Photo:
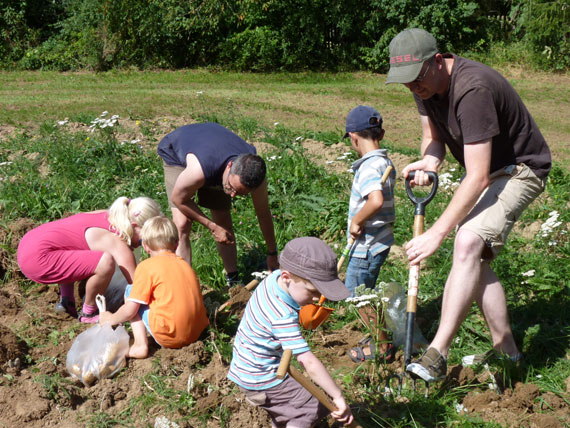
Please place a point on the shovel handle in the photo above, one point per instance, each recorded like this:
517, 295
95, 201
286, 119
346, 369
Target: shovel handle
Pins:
421, 203
344, 254
252, 284
285, 367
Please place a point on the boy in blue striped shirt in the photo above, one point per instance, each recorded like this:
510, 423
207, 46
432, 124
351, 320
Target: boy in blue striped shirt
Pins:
271, 324
371, 216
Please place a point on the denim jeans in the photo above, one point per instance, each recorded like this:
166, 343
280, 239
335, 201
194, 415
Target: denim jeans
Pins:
364, 271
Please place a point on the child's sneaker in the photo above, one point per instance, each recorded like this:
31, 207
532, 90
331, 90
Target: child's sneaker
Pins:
88, 318
430, 367
66, 305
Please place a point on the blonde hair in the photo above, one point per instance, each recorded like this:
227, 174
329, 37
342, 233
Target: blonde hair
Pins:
160, 233
124, 211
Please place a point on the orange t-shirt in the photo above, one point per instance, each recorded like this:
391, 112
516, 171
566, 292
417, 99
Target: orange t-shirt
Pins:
170, 287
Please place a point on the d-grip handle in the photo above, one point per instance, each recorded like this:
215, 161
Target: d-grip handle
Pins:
421, 203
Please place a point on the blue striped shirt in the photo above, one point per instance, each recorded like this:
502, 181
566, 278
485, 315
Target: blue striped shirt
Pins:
269, 325
378, 234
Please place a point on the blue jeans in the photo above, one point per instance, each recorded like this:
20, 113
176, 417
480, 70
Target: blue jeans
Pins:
143, 309
364, 271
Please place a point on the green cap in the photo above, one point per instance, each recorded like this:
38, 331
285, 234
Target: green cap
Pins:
408, 51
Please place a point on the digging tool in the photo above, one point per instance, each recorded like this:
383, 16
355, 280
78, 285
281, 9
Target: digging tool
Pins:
413, 280
313, 315
249, 287
285, 367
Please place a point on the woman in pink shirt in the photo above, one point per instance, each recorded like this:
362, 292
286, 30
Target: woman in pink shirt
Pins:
86, 246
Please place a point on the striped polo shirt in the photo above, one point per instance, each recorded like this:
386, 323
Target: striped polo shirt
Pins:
378, 234
269, 325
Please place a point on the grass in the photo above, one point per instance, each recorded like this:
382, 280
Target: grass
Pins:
302, 102
51, 171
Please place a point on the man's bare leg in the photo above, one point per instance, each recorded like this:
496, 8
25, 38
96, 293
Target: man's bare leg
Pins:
463, 284
493, 304
228, 253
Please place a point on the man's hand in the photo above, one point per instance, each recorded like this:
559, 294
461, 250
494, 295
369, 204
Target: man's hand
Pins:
423, 246
223, 236
428, 163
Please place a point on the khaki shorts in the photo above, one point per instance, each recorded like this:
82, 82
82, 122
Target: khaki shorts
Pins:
211, 197
288, 403
510, 191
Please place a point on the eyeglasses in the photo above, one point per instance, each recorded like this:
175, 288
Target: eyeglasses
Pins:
228, 188
421, 77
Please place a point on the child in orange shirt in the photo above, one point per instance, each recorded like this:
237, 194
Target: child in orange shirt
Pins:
165, 297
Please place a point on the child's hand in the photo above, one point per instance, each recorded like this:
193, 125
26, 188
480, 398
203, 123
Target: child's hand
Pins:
343, 413
105, 317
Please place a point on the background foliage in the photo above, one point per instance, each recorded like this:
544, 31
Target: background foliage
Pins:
268, 35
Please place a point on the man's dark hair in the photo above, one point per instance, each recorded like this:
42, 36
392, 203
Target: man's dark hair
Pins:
374, 134
250, 169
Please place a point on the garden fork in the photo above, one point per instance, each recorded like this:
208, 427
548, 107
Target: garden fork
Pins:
413, 280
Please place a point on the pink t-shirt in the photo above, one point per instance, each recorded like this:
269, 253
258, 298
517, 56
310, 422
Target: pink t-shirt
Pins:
57, 252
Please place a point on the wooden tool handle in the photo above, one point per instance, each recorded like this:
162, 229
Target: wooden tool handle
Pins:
306, 383
386, 174
252, 284
284, 364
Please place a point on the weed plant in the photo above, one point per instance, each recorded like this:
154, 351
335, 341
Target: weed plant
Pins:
54, 172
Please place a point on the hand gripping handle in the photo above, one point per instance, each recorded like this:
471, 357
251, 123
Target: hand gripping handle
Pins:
421, 203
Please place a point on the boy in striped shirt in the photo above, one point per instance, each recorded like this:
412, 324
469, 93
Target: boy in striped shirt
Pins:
371, 216
271, 324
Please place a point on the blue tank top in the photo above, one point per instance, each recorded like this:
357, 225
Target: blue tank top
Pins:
211, 143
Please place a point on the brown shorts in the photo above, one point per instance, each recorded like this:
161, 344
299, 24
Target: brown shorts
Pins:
288, 403
510, 191
211, 197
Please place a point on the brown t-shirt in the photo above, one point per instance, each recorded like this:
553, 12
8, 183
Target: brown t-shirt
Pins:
482, 104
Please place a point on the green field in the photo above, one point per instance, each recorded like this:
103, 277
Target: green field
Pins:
50, 169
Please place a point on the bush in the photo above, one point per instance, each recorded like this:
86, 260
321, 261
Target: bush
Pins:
456, 24
547, 29
254, 50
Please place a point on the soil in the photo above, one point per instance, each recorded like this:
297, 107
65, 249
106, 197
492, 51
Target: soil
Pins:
29, 396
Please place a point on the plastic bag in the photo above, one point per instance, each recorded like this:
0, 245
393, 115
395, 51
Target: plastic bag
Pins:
395, 312
98, 353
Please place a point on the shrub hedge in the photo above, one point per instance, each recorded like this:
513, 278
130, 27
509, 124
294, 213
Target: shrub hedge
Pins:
267, 35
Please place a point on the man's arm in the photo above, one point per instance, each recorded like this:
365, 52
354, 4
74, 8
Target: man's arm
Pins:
477, 166
186, 186
260, 201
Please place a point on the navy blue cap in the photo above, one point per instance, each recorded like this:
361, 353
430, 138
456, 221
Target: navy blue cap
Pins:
361, 118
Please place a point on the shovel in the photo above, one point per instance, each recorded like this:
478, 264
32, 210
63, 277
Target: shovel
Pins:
413, 280
313, 315
285, 367
248, 288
